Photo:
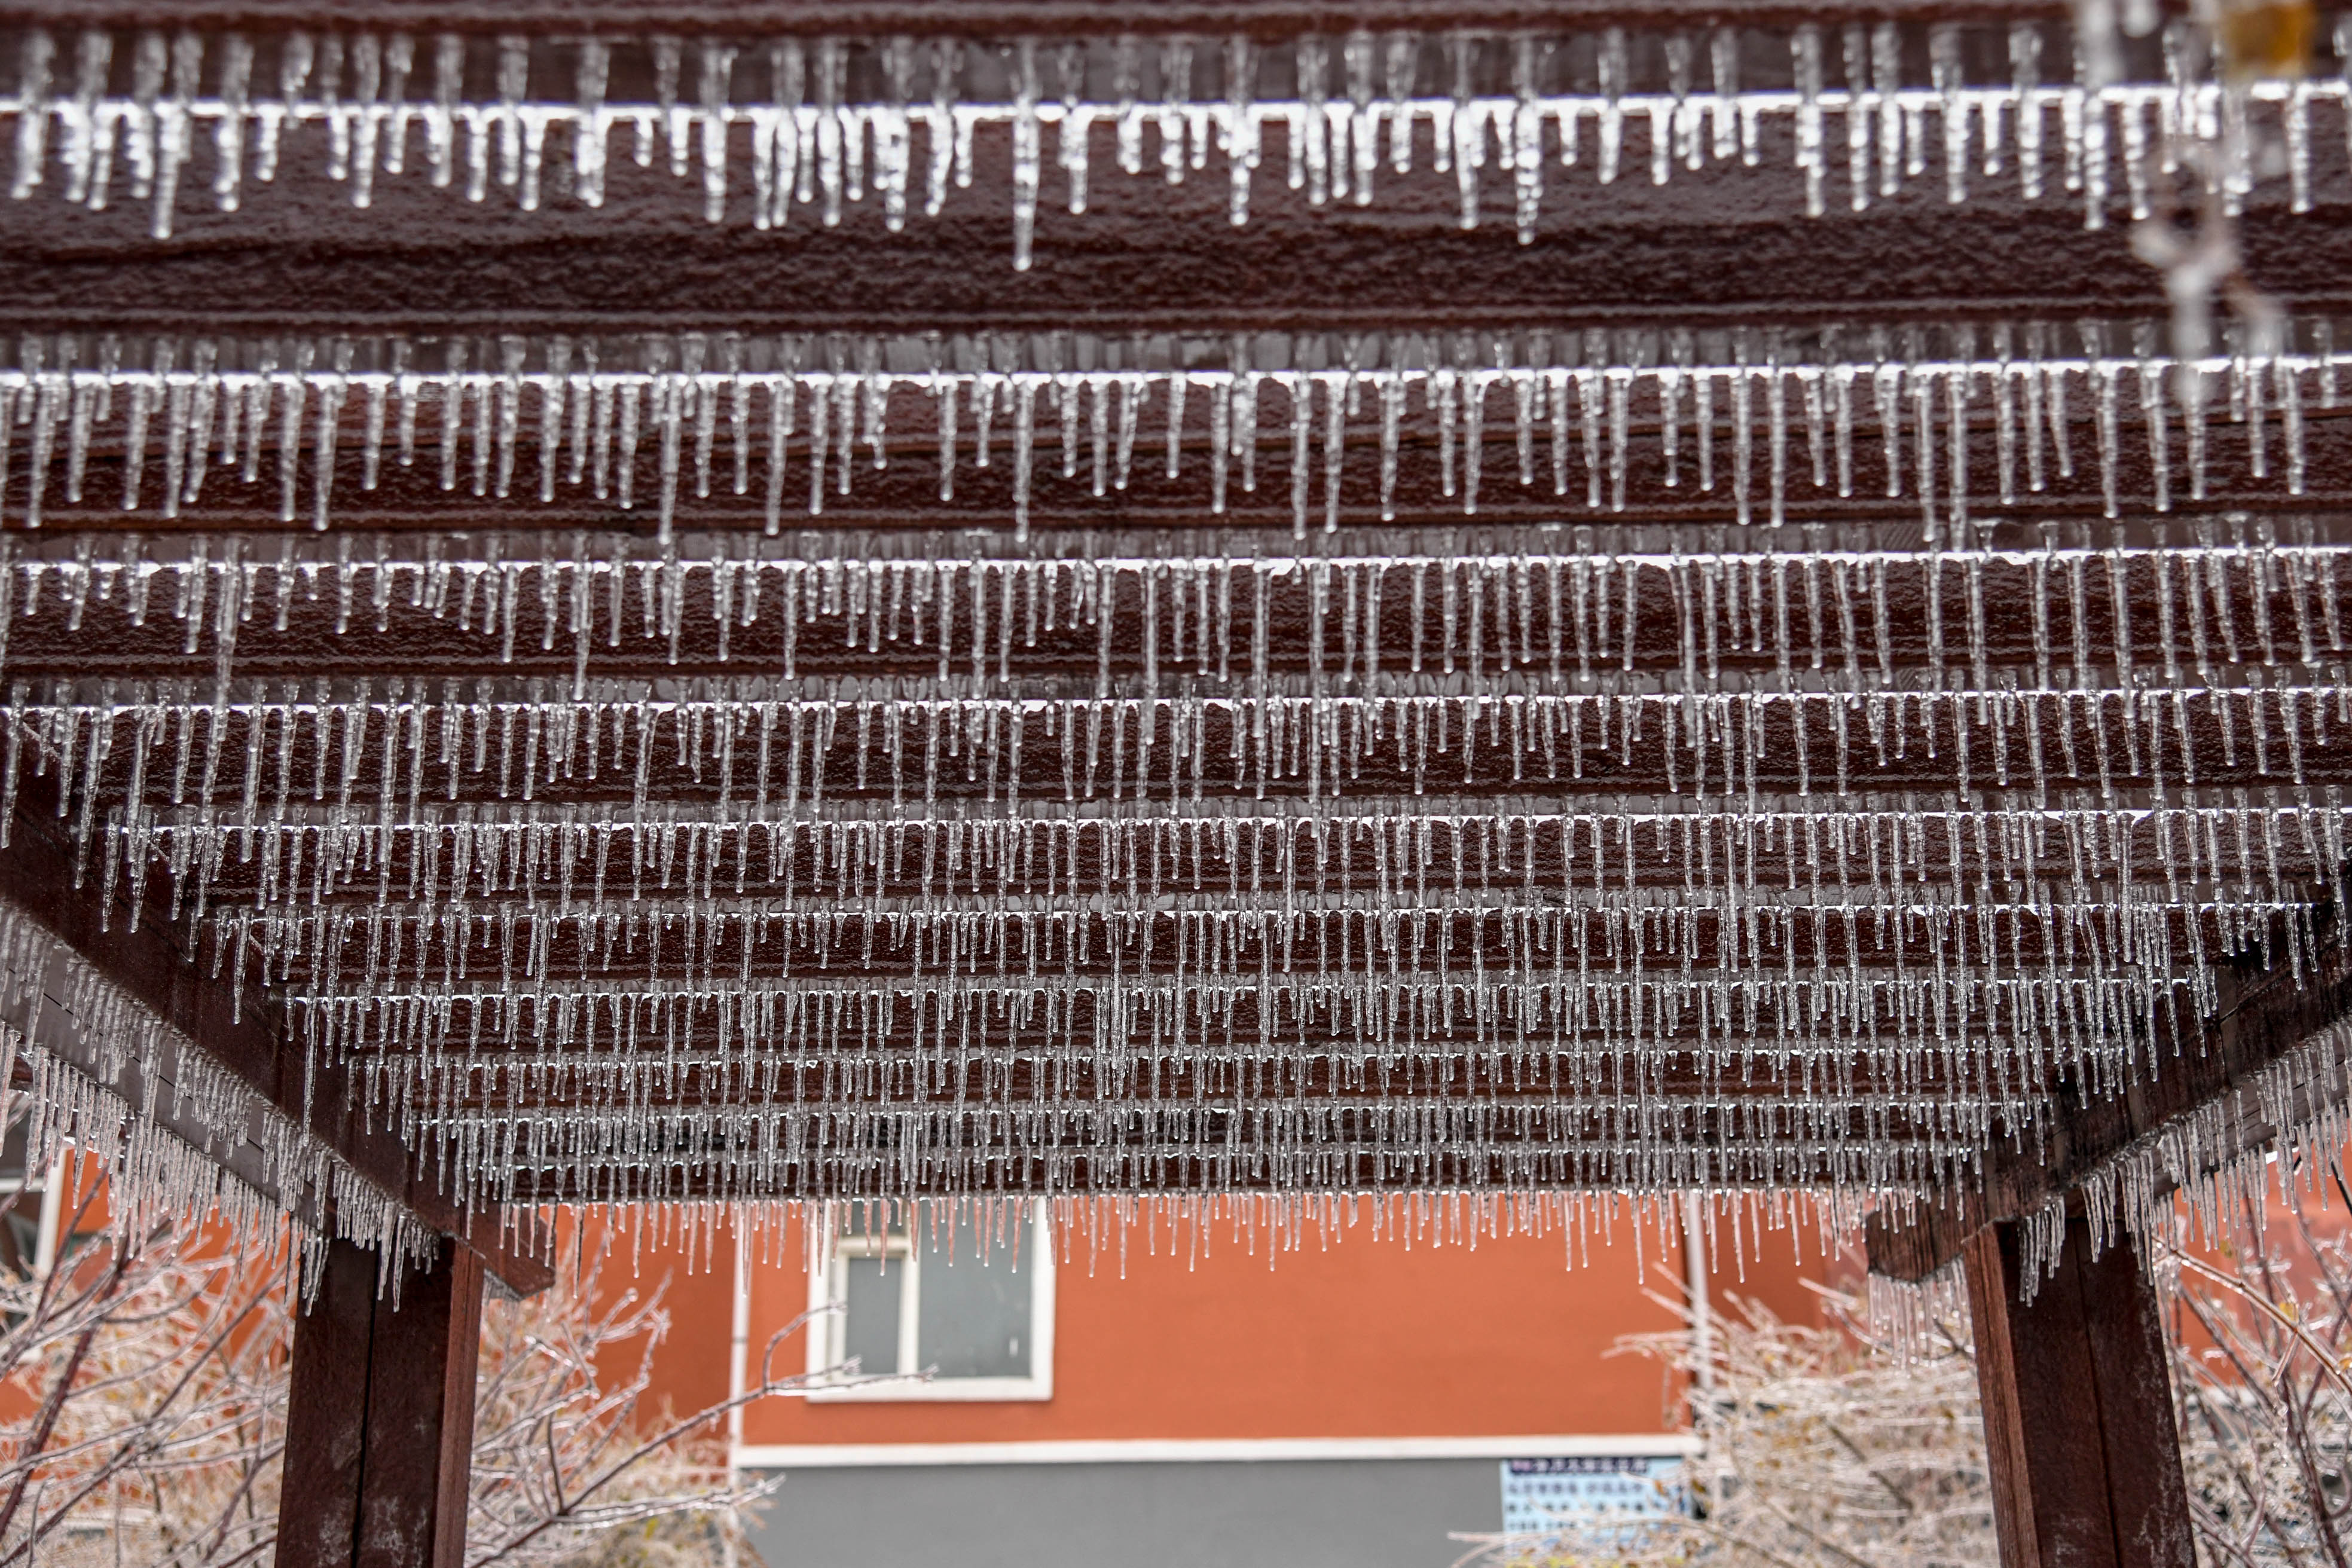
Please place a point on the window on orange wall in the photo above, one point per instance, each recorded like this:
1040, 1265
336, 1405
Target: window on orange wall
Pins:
940, 1312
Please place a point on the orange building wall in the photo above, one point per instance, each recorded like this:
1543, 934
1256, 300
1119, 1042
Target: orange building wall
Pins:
1365, 1339
689, 1368
696, 1285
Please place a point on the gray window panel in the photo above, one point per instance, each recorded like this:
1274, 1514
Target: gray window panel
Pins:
973, 1319
870, 1326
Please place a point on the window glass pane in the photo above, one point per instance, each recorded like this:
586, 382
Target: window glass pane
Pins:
12, 1153
20, 1233
869, 1335
973, 1320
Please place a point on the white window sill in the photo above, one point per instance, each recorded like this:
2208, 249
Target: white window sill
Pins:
914, 1391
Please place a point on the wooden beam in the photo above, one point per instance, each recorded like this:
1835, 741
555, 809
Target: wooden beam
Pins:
2264, 1015
1144, 257
2079, 1429
380, 1415
996, 18
38, 876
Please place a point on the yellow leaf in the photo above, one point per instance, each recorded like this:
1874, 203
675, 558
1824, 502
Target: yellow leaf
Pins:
2265, 40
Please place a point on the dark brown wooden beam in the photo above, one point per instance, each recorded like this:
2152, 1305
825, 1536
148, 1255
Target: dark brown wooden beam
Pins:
1714, 250
1154, 510
380, 1414
2079, 1429
987, 18
38, 876
1717, 246
2265, 1014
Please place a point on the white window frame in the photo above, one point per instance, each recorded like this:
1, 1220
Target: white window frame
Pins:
829, 1323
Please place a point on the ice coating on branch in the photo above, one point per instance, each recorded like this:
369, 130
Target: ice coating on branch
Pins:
1832, 107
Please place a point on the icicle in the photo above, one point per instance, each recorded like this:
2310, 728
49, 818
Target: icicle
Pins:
824, 106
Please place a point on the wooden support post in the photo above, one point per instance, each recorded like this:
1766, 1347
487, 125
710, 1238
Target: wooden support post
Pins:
379, 1417
2079, 1430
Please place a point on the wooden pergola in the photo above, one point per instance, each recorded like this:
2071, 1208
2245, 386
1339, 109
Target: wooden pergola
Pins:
633, 604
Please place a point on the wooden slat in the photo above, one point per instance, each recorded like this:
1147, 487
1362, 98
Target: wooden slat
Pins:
996, 18
1143, 257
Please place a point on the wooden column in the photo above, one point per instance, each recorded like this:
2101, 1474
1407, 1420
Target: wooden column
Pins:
2079, 1429
379, 1417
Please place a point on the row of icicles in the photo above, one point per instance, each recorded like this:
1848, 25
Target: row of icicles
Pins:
1402, 1144
808, 120
915, 621
1887, 1144
109, 1077
152, 763
994, 887
1563, 997
180, 1107
783, 424
2085, 930
1408, 1146
1897, 1071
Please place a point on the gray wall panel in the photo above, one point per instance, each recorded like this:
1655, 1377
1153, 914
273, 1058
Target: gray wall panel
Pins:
1290, 1514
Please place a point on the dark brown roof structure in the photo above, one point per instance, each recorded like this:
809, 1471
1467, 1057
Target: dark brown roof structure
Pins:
1482, 610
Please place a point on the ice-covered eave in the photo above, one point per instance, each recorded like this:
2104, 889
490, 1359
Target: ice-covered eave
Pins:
180, 1139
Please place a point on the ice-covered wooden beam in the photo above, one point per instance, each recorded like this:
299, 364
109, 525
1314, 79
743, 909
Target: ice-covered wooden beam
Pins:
996, 18
1709, 250
1674, 161
241, 1036
1898, 426
2266, 1015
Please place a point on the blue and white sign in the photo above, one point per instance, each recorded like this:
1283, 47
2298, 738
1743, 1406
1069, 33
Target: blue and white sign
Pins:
1541, 1495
